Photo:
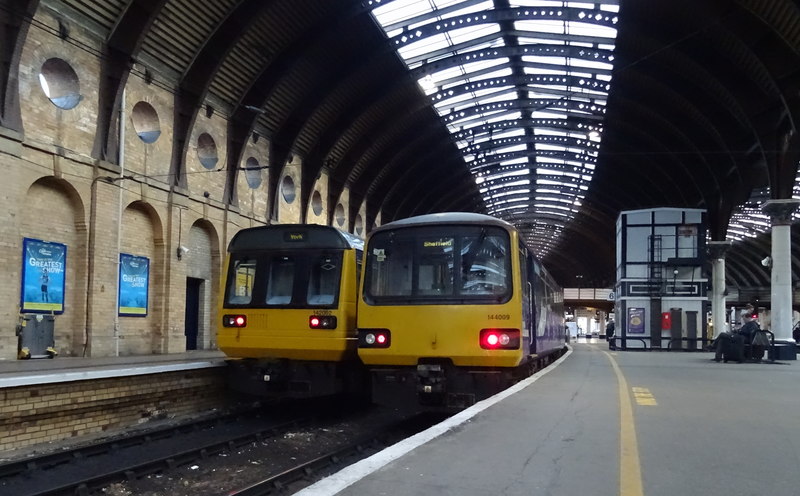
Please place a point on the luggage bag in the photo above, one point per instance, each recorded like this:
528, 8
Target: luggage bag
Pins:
733, 349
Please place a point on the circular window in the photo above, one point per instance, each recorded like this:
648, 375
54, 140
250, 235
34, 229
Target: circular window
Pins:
316, 203
145, 122
207, 151
339, 214
359, 224
60, 83
252, 172
287, 189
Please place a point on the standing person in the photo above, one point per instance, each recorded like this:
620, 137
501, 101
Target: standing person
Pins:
45, 280
610, 330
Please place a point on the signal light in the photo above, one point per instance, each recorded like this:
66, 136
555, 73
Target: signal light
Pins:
234, 321
322, 322
374, 338
499, 339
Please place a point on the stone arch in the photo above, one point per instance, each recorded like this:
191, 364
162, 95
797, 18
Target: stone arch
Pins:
203, 263
52, 210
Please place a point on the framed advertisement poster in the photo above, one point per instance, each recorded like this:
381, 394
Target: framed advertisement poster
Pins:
636, 321
43, 269
134, 281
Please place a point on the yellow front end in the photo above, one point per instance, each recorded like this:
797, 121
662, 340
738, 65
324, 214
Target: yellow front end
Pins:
441, 331
286, 334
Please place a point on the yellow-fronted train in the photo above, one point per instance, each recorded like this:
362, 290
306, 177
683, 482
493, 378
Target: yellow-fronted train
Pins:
454, 308
287, 312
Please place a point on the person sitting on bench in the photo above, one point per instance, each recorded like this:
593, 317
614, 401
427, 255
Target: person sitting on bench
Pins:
729, 340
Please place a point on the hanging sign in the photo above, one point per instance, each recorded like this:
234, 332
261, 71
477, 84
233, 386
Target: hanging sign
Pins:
43, 268
134, 278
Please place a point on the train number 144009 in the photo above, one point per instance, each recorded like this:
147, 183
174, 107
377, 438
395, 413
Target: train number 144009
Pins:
499, 316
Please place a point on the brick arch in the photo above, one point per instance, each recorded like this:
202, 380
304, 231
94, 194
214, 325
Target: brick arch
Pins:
202, 263
152, 214
52, 210
142, 235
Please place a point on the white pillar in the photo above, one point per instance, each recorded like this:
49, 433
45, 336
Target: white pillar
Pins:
716, 250
780, 211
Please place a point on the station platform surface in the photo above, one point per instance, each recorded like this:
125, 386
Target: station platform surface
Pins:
601, 422
64, 369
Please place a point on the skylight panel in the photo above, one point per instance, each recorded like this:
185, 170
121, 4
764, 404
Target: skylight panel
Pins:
522, 92
425, 45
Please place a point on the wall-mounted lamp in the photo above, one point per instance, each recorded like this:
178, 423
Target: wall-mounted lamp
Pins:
767, 262
181, 251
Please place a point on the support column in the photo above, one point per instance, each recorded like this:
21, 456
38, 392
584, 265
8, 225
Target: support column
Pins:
780, 212
716, 252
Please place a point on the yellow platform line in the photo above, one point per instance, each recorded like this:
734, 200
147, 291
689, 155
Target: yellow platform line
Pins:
630, 471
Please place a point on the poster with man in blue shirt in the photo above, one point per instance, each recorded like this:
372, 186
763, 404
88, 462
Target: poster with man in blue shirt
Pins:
134, 275
43, 268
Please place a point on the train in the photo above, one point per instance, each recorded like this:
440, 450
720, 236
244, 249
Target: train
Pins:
287, 312
453, 308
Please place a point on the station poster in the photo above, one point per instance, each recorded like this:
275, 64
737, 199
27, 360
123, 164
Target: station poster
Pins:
636, 321
134, 280
43, 269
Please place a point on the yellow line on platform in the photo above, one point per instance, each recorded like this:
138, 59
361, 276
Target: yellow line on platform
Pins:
630, 471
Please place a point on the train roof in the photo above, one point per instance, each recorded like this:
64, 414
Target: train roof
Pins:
448, 218
292, 237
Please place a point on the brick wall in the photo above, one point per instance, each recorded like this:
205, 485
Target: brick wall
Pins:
32, 415
53, 189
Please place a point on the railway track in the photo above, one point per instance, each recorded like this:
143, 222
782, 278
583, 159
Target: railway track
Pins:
313, 469
87, 470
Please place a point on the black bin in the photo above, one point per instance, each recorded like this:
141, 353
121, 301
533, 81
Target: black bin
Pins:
36, 336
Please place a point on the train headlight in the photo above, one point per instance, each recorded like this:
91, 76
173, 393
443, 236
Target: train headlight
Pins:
499, 339
374, 338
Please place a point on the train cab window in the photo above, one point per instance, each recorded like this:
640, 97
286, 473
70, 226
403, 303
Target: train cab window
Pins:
323, 281
280, 280
435, 267
390, 264
240, 284
484, 264
438, 264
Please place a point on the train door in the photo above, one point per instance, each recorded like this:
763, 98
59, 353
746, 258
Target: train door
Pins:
192, 314
527, 297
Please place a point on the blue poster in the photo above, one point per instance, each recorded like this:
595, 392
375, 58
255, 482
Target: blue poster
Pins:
636, 321
134, 278
43, 268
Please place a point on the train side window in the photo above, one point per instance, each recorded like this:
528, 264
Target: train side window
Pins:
280, 281
240, 283
323, 281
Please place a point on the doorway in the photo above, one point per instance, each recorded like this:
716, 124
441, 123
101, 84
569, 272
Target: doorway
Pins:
194, 289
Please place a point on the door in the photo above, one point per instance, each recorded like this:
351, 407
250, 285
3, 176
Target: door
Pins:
192, 317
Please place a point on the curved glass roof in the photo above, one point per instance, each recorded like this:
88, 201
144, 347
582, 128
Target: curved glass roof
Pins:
522, 85
749, 220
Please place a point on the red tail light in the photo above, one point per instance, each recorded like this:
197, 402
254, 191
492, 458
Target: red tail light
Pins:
322, 322
234, 321
374, 338
499, 339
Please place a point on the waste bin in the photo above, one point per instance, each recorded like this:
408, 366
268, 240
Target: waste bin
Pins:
36, 336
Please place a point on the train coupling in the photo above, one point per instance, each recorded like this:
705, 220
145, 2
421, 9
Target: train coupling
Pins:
430, 378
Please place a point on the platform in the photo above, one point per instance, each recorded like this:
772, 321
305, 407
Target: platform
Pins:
65, 369
605, 422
